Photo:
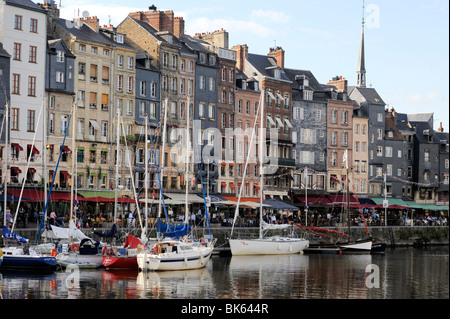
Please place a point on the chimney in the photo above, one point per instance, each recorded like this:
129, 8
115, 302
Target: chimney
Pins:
441, 129
340, 82
278, 54
241, 56
161, 20
92, 22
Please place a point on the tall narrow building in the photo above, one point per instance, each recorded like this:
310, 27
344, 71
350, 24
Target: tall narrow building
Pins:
361, 70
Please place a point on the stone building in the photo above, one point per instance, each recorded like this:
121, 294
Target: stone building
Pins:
4, 101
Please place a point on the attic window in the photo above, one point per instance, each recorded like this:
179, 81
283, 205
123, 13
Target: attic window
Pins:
119, 38
390, 134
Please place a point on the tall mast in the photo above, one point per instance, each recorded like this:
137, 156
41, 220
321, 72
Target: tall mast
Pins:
261, 159
186, 208
6, 155
74, 154
146, 173
117, 165
163, 157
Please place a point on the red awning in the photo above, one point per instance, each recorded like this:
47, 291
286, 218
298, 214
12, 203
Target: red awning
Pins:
125, 200
31, 170
257, 186
243, 199
33, 149
17, 146
66, 149
16, 170
65, 174
224, 184
232, 186
341, 199
32, 195
314, 199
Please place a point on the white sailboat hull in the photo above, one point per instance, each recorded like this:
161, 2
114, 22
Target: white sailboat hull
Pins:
268, 246
80, 261
196, 258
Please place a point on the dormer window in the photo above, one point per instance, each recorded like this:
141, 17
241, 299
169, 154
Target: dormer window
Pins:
306, 82
119, 38
390, 134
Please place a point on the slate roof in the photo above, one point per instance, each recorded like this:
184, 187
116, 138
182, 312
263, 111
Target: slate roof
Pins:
53, 45
403, 123
85, 32
25, 4
313, 83
266, 65
3, 52
370, 95
147, 27
422, 130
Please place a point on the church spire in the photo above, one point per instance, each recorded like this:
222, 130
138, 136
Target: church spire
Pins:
361, 71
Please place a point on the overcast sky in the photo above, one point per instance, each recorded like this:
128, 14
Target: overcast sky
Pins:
406, 41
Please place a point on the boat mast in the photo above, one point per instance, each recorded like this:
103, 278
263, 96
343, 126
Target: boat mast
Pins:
117, 165
74, 154
261, 158
163, 158
186, 207
6, 155
146, 173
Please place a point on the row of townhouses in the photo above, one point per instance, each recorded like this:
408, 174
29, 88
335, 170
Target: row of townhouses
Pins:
78, 91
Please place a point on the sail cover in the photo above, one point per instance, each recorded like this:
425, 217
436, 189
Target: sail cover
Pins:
112, 232
7, 234
66, 233
173, 231
267, 226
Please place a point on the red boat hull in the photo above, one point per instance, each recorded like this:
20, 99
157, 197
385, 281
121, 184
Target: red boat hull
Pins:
120, 262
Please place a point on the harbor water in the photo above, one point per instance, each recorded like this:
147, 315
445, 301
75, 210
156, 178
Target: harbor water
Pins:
401, 273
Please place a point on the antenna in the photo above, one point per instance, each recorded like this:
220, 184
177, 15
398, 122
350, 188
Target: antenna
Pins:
363, 7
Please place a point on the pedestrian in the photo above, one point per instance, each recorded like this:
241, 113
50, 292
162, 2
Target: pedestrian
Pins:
8, 218
52, 218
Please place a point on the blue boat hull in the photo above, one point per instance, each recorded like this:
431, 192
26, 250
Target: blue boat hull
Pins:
28, 262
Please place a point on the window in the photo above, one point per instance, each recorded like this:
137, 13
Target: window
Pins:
59, 56
333, 138
17, 51
333, 159
379, 150
51, 123
389, 169
142, 109
120, 61
363, 147
344, 118
18, 22
16, 84
211, 111
104, 130
30, 120
298, 113
380, 117
130, 62
399, 153
33, 52
59, 77
165, 58
356, 147
33, 25
344, 141
119, 82
426, 156
333, 117
81, 96
80, 128
31, 86
82, 48
105, 75
231, 76
142, 86
129, 107
105, 52
94, 50
15, 119
153, 89
357, 129
356, 168
201, 110
119, 38
306, 157
379, 134
202, 82
153, 110
64, 120
388, 151
307, 95
212, 84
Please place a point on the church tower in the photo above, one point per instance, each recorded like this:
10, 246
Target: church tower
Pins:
361, 71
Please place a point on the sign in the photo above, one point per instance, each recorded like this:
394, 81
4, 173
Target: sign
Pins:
385, 203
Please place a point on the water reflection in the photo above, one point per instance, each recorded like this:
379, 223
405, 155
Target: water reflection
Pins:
400, 274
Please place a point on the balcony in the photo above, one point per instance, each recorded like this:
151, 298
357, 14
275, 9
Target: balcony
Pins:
283, 161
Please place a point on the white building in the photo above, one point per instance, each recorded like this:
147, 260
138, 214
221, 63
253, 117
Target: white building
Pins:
23, 32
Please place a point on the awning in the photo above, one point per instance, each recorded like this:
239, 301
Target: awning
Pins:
16, 170
271, 121
92, 194
66, 174
31, 170
224, 184
33, 149
288, 123
280, 96
28, 195
66, 149
314, 199
17, 146
232, 186
271, 95
94, 124
280, 123
341, 199
192, 199
257, 187
279, 205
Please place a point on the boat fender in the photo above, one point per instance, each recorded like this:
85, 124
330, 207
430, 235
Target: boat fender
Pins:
1, 253
104, 250
53, 252
74, 247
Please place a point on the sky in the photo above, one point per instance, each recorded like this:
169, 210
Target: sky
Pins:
406, 41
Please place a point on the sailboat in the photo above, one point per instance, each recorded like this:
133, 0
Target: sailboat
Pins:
123, 257
23, 256
172, 253
362, 246
276, 245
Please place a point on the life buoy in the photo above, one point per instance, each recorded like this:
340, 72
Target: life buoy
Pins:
74, 247
53, 252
